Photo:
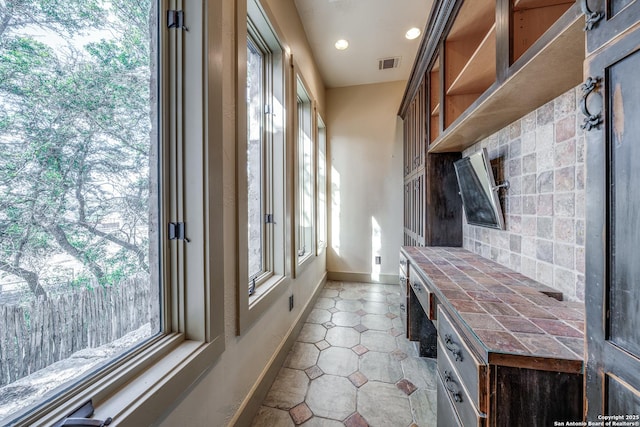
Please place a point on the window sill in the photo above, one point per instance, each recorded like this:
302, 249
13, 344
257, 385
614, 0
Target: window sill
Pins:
265, 290
165, 371
303, 262
251, 308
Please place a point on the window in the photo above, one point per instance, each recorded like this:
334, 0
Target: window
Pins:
258, 196
261, 167
95, 151
79, 194
305, 180
322, 185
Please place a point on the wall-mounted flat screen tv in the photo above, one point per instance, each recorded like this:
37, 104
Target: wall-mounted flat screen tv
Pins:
478, 191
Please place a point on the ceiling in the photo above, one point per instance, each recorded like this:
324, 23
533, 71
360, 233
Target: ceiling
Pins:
375, 30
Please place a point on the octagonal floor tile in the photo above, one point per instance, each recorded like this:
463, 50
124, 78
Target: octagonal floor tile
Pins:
345, 319
350, 305
350, 294
329, 293
341, 336
421, 371
378, 322
322, 422
332, 397
325, 303
269, 417
382, 367
424, 407
312, 332
288, 390
378, 341
375, 296
338, 361
382, 404
372, 307
319, 315
302, 356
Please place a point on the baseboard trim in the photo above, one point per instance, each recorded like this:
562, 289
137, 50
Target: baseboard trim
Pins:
251, 404
343, 276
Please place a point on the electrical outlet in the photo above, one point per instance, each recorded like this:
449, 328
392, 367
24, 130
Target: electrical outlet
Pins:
291, 302
378, 260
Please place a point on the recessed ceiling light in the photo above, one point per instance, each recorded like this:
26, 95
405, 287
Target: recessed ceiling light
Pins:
342, 44
413, 33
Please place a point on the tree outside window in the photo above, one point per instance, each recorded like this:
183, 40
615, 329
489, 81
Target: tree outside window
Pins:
79, 281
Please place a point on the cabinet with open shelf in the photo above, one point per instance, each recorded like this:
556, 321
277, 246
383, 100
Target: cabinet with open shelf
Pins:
492, 62
530, 19
433, 76
481, 65
469, 57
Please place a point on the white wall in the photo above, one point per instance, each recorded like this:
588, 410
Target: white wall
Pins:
221, 395
365, 196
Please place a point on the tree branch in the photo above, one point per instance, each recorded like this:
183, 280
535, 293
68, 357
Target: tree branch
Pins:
29, 276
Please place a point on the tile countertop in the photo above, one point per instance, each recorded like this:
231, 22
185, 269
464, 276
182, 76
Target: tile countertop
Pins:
505, 311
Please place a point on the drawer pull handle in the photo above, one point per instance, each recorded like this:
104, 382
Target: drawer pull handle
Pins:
417, 287
450, 385
448, 342
402, 307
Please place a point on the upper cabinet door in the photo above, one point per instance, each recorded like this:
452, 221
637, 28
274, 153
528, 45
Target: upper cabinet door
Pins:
605, 19
612, 105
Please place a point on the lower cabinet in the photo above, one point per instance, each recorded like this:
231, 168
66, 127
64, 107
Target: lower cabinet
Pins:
508, 354
472, 392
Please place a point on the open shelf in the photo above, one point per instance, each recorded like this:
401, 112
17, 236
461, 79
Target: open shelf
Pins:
470, 57
530, 19
527, 86
434, 100
474, 17
480, 71
532, 4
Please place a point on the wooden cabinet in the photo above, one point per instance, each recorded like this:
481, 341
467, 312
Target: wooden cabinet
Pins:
611, 103
529, 20
432, 206
508, 354
481, 65
486, 63
469, 57
607, 19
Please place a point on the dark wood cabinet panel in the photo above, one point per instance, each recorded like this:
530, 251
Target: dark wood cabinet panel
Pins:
608, 19
511, 384
613, 224
623, 95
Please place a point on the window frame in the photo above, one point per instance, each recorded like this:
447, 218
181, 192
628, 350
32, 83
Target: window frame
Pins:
251, 307
267, 205
321, 185
135, 389
306, 104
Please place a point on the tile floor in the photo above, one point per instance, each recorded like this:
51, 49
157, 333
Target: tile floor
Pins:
352, 365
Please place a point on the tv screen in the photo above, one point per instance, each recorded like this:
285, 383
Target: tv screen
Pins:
478, 191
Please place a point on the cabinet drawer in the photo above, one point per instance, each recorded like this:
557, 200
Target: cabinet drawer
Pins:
404, 303
455, 350
426, 298
451, 389
447, 416
404, 265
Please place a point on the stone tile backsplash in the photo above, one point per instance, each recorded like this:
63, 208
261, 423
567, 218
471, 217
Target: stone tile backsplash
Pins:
542, 156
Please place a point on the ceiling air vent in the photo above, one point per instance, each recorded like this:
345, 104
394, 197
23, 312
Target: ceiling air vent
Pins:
387, 63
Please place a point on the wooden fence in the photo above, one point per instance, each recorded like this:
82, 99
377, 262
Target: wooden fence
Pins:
48, 330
